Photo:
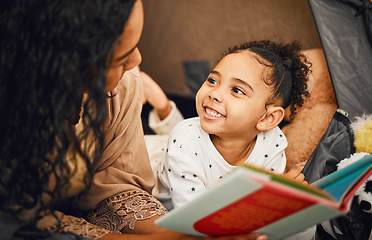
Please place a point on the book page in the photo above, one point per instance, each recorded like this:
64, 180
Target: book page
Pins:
339, 183
263, 174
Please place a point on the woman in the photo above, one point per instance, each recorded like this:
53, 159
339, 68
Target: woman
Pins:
71, 131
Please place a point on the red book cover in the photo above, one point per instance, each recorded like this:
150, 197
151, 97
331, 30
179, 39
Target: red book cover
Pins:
263, 207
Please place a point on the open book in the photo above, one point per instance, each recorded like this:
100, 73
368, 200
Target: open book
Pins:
253, 200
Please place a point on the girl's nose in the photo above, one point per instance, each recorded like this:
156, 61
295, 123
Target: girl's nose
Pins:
215, 95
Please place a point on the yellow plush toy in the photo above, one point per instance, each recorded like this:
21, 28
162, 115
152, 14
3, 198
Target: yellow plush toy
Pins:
362, 129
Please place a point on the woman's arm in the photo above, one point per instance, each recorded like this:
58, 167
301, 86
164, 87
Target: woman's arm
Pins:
147, 229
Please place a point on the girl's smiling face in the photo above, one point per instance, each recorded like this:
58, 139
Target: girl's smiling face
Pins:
232, 100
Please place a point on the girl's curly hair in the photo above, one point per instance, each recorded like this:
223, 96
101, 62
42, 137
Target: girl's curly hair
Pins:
52, 52
288, 70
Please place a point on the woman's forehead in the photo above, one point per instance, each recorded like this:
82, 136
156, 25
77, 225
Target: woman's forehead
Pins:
132, 32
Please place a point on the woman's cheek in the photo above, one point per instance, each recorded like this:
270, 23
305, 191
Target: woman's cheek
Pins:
112, 78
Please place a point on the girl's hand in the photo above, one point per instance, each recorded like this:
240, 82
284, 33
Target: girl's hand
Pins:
295, 174
153, 94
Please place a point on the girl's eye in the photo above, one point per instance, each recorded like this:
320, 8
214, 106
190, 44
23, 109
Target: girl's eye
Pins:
212, 81
237, 90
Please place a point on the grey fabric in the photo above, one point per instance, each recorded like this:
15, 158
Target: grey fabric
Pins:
344, 31
348, 51
335, 145
196, 72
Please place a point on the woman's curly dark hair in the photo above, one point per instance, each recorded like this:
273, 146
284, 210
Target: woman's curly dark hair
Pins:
288, 70
52, 52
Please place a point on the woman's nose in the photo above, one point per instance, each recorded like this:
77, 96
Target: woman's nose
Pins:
137, 57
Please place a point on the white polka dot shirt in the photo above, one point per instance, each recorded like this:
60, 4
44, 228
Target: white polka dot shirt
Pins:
192, 163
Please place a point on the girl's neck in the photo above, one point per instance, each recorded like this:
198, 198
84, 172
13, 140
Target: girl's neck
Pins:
234, 151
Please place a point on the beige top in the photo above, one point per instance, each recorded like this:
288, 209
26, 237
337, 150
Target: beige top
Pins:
125, 163
121, 175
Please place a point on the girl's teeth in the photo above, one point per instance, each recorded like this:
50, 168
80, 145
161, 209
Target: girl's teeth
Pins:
212, 113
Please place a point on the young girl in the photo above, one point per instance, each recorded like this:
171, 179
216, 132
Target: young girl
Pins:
240, 106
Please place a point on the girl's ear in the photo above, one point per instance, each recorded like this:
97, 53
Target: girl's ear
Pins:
271, 118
